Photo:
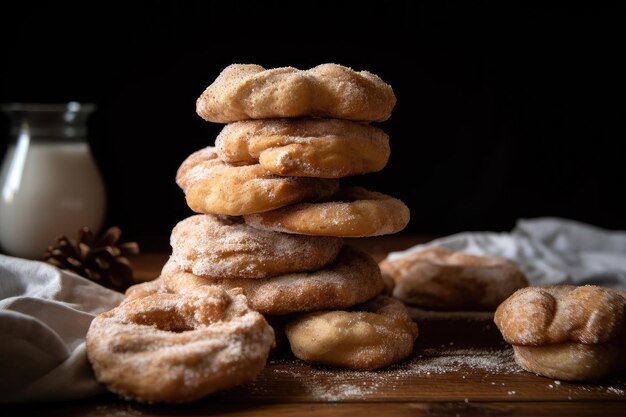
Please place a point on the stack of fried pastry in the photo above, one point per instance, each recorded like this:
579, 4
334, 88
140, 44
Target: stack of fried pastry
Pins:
273, 215
267, 244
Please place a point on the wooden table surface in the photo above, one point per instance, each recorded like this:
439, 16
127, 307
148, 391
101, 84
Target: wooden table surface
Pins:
460, 367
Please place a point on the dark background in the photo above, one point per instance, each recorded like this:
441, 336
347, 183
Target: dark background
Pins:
504, 111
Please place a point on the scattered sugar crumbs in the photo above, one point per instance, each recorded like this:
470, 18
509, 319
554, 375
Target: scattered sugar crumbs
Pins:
119, 410
335, 385
579, 389
330, 384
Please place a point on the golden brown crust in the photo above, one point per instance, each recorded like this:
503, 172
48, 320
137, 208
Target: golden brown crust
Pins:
441, 279
144, 289
573, 361
351, 212
321, 148
372, 335
178, 347
245, 91
352, 279
212, 186
221, 247
552, 314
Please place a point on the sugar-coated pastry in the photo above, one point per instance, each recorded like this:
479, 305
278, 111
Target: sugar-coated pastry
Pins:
321, 148
213, 186
566, 332
178, 347
222, 247
246, 91
352, 279
372, 335
351, 212
442, 279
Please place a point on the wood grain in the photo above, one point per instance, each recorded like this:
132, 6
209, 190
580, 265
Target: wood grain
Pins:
116, 408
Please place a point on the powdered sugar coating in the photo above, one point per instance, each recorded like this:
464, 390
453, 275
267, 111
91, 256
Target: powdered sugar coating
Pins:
321, 148
196, 166
352, 279
552, 314
144, 289
221, 247
212, 186
441, 279
351, 212
177, 348
245, 91
372, 335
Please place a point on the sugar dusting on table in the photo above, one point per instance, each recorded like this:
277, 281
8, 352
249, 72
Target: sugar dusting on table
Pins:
329, 384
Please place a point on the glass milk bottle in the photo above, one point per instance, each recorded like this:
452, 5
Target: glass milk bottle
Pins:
49, 183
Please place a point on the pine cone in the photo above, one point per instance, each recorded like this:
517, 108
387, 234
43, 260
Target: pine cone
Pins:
101, 260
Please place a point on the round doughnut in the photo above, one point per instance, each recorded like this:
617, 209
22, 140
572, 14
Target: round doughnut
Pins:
321, 148
352, 279
372, 335
212, 186
178, 347
246, 91
566, 332
351, 212
441, 279
218, 247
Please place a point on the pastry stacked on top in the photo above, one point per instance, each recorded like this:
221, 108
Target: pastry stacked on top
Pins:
273, 216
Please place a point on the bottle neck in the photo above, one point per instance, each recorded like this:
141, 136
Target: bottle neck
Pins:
49, 122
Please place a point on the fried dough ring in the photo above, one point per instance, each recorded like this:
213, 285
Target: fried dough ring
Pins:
219, 247
351, 212
441, 279
321, 148
246, 91
212, 186
566, 332
369, 336
352, 279
178, 347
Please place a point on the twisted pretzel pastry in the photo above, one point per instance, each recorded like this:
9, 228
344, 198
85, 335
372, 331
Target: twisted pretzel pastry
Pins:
225, 247
212, 186
564, 331
246, 91
178, 347
372, 335
351, 212
441, 279
321, 148
352, 279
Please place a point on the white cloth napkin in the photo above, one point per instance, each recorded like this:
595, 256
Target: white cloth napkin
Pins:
549, 250
44, 317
